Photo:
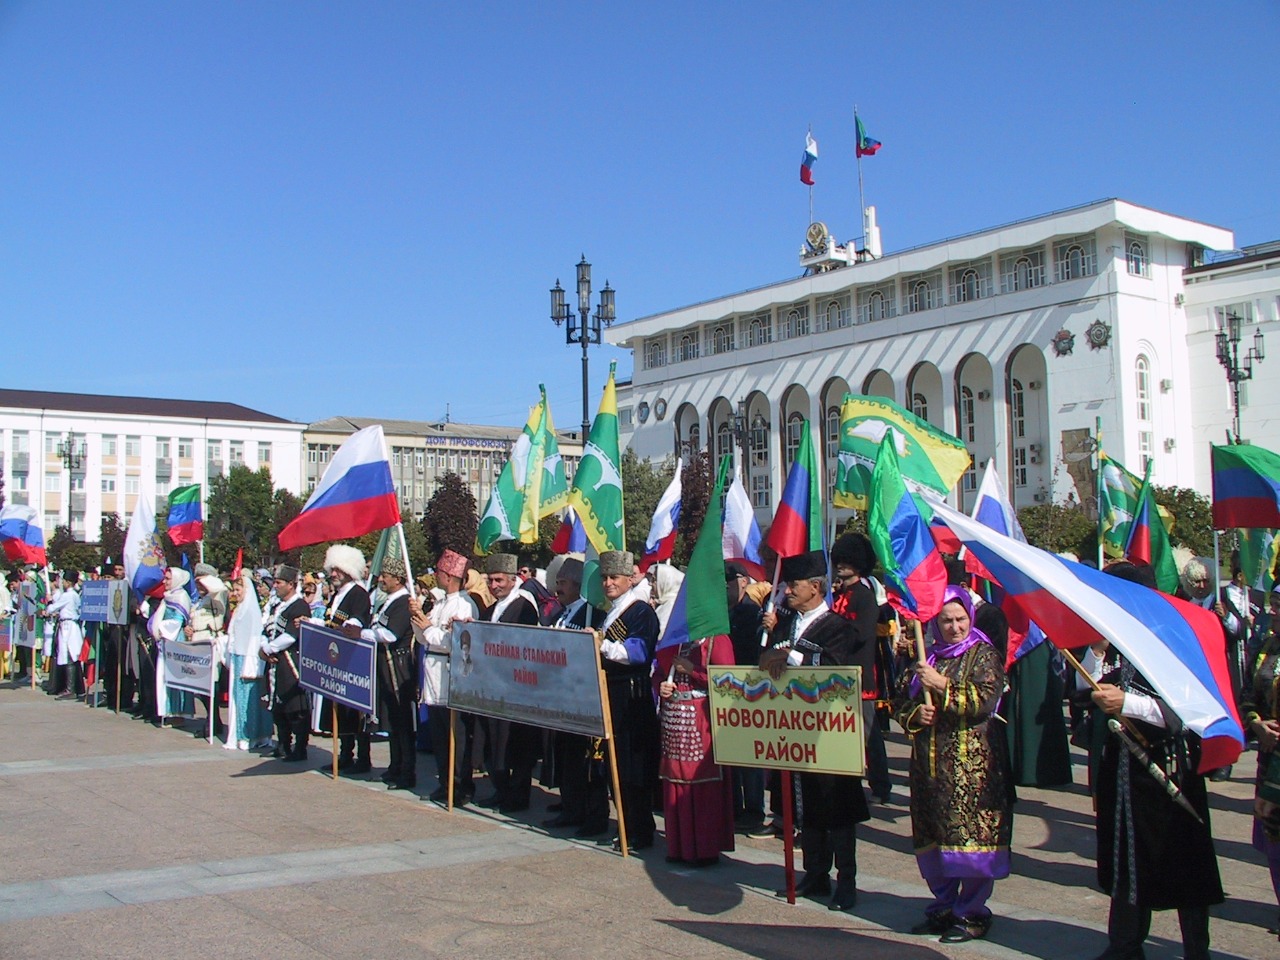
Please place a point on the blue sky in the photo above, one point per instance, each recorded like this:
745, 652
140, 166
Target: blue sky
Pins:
318, 209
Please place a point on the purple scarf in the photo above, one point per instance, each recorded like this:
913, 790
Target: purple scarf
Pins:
940, 651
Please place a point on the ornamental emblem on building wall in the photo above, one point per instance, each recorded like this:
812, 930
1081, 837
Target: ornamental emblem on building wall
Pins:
1064, 341
1098, 334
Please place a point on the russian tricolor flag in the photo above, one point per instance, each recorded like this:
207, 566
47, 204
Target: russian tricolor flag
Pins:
355, 496
661, 542
572, 535
808, 160
21, 534
740, 541
1177, 646
994, 510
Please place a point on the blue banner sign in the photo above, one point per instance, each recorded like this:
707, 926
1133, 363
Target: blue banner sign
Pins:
104, 601
331, 663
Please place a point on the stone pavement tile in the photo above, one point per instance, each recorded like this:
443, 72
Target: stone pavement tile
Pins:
14, 913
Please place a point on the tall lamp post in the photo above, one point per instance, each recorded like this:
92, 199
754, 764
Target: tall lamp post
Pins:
585, 328
1228, 344
71, 453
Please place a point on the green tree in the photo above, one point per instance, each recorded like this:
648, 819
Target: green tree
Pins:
284, 508
1060, 528
111, 538
642, 487
1192, 515
450, 520
241, 514
65, 552
696, 481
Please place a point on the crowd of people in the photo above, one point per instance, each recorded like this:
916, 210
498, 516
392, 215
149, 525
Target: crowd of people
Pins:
963, 707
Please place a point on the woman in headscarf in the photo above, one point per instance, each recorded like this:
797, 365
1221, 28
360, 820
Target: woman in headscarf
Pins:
961, 821
667, 580
169, 616
249, 725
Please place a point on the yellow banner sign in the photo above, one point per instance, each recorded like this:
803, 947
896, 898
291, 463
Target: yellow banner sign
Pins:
810, 719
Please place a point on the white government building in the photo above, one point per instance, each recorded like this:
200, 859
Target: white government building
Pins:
76, 457
1018, 339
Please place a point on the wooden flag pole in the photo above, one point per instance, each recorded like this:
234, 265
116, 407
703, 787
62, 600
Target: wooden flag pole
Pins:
453, 748
768, 607
119, 657
920, 656
1079, 667
613, 765
333, 704
788, 837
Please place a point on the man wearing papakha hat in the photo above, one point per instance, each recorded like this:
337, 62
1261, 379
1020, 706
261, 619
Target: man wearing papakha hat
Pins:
290, 703
806, 633
392, 630
628, 638
434, 631
348, 611
511, 748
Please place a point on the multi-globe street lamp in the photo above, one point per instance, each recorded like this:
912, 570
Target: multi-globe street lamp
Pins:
583, 329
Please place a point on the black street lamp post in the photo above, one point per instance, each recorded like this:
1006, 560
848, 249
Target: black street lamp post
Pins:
71, 453
1228, 345
583, 329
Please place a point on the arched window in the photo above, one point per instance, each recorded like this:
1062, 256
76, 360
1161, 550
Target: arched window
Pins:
655, 354
688, 348
1022, 274
695, 438
1074, 261
920, 298
722, 339
835, 317
968, 420
920, 406
1142, 371
1136, 258
875, 306
757, 333
833, 433
1017, 409
795, 429
967, 288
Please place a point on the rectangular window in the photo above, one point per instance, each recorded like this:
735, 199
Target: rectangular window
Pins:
213, 450
162, 488
53, 483
1243, 310
417, 458
21, 442
1075, 257
51, 521
1019, 466
235, 451
431, 460
51, 444
1146, 448
1022, 270
109, 445
131, 485
20, 481
264, 453
418, 489
970, 281
108, 485
162, 449
186, 448
313, 455
760, 490
77, 483
133, 446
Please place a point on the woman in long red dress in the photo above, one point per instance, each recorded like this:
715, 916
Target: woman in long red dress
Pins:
697, 795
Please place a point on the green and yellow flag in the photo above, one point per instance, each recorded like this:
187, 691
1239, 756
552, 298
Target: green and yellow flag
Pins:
596, 493
1119, 505
927, 457
1259, 550
531, 485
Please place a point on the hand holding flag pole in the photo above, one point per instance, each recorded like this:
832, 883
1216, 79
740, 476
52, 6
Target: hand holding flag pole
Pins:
921, 658
1088, 677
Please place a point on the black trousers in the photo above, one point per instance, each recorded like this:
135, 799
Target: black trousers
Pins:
398, 712
571, 766
1128, 926
464, 725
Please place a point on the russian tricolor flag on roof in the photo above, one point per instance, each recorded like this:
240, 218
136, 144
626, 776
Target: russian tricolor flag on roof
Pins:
355, 496
809, 158
1177, 646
